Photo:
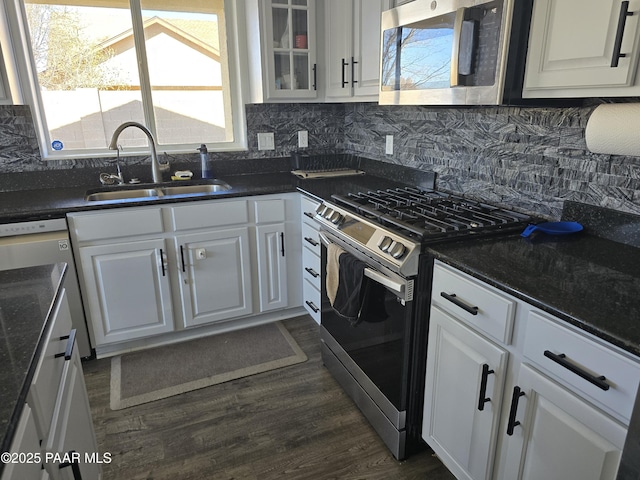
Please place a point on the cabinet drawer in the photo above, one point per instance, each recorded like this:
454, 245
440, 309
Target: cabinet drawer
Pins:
48, 374
311, 267
311, 300
209, 214
117, 223
270, 211
308, 209
481, 307
569, 356
310, 238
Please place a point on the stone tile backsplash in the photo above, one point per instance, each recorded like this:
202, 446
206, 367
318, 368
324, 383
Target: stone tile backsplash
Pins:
529, 158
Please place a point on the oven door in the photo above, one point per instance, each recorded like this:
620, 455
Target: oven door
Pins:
375, 351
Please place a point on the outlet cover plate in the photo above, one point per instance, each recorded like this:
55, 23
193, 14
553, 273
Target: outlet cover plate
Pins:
303, 139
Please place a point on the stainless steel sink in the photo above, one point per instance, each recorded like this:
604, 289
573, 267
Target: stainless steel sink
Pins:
214, 186
122, 194
196, 189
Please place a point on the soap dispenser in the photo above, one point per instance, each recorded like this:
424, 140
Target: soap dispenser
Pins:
204, 161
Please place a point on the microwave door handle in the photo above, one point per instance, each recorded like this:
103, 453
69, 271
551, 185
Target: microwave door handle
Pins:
455, 53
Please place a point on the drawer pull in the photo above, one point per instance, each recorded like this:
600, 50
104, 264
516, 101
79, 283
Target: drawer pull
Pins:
311, 241
309, 214
312, 306
456, 301
71, 341
483, 387
561, 360
513, 423
312, 272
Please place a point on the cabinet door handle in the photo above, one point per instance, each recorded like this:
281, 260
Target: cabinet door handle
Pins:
282, 243
353, 72
482, 399
617, 44
561, 359
71, 341
184, 268
314, 77
513, 423
312, 272
309, 214
344, 64
75, 466
163, 263
311, 241
456, 301
312, 306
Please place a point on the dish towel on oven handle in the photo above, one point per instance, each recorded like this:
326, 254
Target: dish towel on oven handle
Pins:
346, 284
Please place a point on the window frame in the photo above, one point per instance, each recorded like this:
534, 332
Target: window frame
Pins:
21, 67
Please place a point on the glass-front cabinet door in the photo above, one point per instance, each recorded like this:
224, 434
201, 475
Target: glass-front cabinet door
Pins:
290, 48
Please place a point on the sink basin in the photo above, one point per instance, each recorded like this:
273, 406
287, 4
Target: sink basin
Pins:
196, 189
122, 194
126, 193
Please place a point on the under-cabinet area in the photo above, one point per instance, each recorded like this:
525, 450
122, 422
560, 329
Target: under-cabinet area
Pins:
149, 271
513, 393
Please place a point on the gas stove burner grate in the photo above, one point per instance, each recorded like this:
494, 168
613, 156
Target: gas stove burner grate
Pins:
427, 214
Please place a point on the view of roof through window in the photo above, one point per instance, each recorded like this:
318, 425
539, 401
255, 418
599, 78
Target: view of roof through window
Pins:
100, 64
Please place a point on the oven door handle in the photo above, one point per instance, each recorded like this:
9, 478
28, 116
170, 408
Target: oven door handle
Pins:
378, 277
396, 287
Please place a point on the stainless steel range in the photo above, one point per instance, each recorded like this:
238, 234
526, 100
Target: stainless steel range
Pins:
380, 359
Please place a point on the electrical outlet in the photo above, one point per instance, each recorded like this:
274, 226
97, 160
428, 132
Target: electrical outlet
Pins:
266, 141
389, 145
303, 139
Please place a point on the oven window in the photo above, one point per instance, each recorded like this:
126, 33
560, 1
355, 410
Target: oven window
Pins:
379, 343
418, 56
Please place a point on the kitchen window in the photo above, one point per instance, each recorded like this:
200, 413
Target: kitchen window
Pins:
95, 64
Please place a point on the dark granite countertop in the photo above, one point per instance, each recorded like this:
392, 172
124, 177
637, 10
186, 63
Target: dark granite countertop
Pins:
588, 281
69, 195
27, 296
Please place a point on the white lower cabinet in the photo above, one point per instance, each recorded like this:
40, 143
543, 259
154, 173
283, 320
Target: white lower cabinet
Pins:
55, 424
554, 434
466, 374
214, 275
513, 393
311, 274
148, 271
272, 267
126, 288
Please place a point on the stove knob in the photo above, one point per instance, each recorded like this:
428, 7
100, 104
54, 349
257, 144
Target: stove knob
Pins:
335, 217
384, 243
397, 250
320, 209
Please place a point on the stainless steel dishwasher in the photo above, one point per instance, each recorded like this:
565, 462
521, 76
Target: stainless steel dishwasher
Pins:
40, 242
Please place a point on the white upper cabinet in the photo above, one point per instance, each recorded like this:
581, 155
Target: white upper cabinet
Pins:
282, 49
352, 42
583, 48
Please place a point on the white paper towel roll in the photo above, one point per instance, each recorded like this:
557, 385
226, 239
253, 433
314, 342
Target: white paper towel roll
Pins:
614, 128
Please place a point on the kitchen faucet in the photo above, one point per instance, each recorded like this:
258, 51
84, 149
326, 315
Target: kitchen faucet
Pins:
156, 168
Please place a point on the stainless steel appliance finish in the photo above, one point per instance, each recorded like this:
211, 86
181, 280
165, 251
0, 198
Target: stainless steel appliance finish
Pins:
380, 361
452, 52
41, 242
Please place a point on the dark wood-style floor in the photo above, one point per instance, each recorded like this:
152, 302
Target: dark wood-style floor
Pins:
293, 423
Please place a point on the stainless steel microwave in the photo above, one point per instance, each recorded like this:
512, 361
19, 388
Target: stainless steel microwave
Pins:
453, 52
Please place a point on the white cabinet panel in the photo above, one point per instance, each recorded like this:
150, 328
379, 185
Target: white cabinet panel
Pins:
272, 267
27, 441
214, 275
572, 44
127, 290
560, 436
465, 374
